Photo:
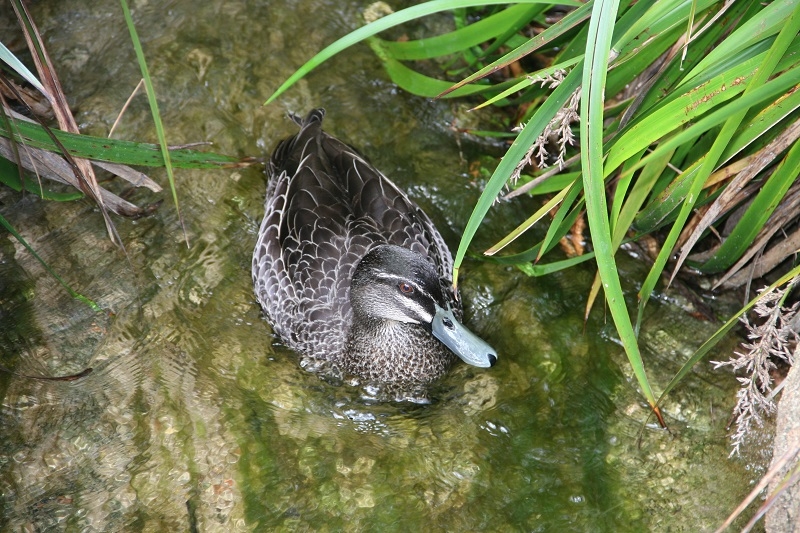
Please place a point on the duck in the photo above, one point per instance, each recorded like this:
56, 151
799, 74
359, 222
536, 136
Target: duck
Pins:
351, 273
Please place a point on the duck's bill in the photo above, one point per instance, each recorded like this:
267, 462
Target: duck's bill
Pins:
469, 347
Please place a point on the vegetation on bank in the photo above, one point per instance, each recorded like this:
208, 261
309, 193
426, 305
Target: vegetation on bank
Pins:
32, 153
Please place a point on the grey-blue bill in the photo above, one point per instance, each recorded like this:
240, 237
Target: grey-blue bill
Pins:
466, 345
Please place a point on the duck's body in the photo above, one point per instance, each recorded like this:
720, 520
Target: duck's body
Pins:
347, 267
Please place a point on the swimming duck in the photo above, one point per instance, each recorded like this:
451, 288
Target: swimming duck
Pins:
350, 272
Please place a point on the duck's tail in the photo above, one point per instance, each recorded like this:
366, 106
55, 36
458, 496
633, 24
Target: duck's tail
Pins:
315, 115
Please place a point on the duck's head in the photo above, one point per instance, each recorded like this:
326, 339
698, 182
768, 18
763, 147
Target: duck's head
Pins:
393, 283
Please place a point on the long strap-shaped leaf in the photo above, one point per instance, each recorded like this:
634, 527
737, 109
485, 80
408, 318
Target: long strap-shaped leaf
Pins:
568, 23
758, 82
532, 129
390, 21
112, 150
767, 200
151, 98
455, 42
58, 101
17, 66
4, 223
598, 45
785, 38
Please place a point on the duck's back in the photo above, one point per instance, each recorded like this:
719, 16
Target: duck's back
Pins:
326, 206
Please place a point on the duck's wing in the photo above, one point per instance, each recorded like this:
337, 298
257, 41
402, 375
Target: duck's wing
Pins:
381, 208
301, 264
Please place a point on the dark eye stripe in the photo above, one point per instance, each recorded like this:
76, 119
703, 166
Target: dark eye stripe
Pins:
401, 281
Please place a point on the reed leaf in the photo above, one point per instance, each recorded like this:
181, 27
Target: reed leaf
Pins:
766, 200
491, 27
601, 26
515, 154
84, 173
762, 207
17, 66
151, 98
112, 150
9, 176
419, 84
382, 24
560, 28
70, 290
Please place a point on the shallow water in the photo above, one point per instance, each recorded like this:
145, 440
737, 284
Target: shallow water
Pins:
194, 416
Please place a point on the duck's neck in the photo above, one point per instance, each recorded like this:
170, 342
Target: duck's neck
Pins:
388, 351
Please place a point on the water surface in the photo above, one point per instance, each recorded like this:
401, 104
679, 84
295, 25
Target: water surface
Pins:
194, 416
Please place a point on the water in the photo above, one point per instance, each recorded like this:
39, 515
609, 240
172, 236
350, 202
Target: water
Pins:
194, 416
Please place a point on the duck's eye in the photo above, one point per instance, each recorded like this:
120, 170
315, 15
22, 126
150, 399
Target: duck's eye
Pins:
405, 288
